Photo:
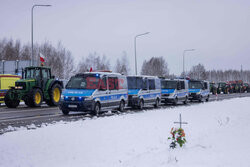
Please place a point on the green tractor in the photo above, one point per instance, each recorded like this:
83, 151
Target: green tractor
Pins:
223, 87
36, 86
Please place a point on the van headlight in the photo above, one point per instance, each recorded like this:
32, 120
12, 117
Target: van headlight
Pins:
62, 96
198, 93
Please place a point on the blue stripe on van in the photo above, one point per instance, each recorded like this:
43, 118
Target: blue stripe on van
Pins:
167, 91
151, 95
204, 93
194, 90
133, 91
182, 94
112, 97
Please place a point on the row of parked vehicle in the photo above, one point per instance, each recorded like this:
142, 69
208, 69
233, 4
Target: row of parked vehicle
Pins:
93, 91
229, 87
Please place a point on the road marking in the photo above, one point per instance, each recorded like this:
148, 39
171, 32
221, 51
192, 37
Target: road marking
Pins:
58, 114
28, 109
27, 118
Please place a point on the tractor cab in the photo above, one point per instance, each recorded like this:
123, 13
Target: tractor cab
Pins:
40, 75
36, 86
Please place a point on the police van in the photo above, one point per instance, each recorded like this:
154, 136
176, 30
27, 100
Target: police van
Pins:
93, 91
174, 91
199, 90
143, 90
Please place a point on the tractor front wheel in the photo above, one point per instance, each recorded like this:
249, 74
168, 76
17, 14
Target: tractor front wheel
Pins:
54, 94
10, 103
35, 98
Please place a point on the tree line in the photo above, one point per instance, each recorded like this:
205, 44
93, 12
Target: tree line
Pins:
199, 72
63, 65
60, 59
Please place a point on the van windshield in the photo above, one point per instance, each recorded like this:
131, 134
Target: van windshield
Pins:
135, 82
83, 82
195, 85
168, 84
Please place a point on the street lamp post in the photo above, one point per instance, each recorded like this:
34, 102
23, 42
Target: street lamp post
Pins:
32, 52
135, 49
187, 50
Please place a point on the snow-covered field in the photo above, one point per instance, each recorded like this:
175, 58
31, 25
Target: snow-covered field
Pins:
218, 134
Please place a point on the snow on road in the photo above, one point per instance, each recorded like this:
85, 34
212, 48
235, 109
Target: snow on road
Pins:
218, 134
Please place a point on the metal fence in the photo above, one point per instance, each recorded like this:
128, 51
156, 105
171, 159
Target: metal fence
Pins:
13, 67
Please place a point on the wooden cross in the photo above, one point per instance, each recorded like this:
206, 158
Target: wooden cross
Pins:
180, 122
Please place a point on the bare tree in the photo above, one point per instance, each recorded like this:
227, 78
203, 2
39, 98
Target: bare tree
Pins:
156, 66
59, 59
10, 50
198, 72
93, 61
122, 65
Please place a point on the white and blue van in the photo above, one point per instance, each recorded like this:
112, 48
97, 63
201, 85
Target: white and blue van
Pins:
143, 90
93, 91
174, 91
198, 90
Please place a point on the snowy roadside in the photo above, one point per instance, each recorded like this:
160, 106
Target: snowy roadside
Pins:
217, 135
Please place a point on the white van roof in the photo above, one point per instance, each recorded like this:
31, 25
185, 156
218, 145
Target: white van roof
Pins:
144, 76
102, 73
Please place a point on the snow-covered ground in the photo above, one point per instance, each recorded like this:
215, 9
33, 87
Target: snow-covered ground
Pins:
218, 134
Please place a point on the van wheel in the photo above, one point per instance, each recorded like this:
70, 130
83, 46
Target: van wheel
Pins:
207, 99
186, 100
201, 99
65, 112
121, 106
157, 103
97, 109
141, 104
175, 101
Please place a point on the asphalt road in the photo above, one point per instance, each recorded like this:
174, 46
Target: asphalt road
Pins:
30, 118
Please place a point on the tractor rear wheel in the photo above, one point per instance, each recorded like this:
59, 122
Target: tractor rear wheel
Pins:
35, 98
54, 94
10, 103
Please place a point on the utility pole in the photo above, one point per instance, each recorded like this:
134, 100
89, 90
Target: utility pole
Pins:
187, 50
135, 49
32, 48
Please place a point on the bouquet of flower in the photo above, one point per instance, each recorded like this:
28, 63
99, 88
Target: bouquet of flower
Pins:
178, 137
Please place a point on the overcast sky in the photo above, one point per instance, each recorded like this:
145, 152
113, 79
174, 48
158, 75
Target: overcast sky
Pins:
218, 30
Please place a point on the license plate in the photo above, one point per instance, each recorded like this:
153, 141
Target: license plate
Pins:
72, 106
